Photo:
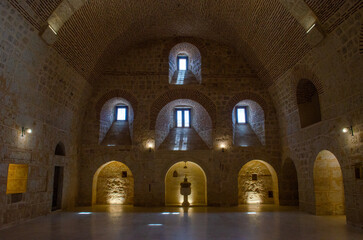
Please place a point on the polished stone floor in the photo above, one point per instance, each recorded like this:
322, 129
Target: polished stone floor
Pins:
244, 222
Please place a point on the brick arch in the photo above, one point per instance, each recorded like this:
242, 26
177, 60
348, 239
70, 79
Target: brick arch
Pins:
198, 43
113, 94
172, 95
304, 72
245, 96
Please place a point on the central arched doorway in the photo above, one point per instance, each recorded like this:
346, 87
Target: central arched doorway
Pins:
257, 183
113, 183
196, 177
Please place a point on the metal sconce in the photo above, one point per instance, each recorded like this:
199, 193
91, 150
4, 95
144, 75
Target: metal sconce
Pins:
25, 130
348, 129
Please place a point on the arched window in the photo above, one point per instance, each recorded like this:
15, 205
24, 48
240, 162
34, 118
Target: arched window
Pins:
248, 121
116, 122
185, 64
60, 149
183, 124
308, 103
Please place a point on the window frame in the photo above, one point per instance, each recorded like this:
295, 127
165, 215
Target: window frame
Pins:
183, 117
236, 114
127, 112
187, 62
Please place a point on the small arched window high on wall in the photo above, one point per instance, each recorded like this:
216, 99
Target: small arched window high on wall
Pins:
308, 103
185, 64
60, 149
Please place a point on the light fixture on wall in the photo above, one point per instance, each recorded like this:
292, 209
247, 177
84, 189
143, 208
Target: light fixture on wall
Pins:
223, 146
185, 166
348, 129
25, 130
150, 146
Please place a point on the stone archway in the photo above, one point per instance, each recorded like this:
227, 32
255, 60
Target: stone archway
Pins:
257, 183
113, 183
196, 177
328, 185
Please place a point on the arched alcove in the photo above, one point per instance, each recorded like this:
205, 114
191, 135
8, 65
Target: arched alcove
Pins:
308, 103
328, 185
114, 132
196, 177
113, 183
60, 149
257, 183
193, 71
251, 132
289, 192
197, 136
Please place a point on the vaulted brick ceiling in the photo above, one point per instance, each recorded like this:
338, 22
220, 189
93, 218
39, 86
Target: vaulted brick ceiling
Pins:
263, 31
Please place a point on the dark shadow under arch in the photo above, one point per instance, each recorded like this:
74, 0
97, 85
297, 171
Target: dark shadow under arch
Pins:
60, 149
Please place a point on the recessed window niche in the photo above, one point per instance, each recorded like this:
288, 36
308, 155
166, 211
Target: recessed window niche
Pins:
185, 64
248, 119
116, 122
308, 103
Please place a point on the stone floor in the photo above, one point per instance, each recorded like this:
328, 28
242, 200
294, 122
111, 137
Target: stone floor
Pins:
126, 222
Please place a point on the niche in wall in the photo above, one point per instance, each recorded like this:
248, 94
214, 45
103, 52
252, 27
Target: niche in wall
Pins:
60, 149
185, 64
257, 183
252, 131
113, 131
328, 185
113, 183
196, 177
198, 135
308, 103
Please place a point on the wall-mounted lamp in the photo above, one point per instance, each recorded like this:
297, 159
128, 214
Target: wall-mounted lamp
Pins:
223, 146
348, 129
25, 130
150, 146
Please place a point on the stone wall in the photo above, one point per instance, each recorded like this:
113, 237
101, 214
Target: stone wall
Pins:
328, 185
113, 186
227, 80
38, 90
335, 68
256, 190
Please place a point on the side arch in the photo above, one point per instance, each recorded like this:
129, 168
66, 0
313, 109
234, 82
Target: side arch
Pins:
257, 179
328, 185
113, 183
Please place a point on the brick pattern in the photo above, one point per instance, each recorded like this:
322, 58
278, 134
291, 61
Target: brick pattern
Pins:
305, 91
269, 60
